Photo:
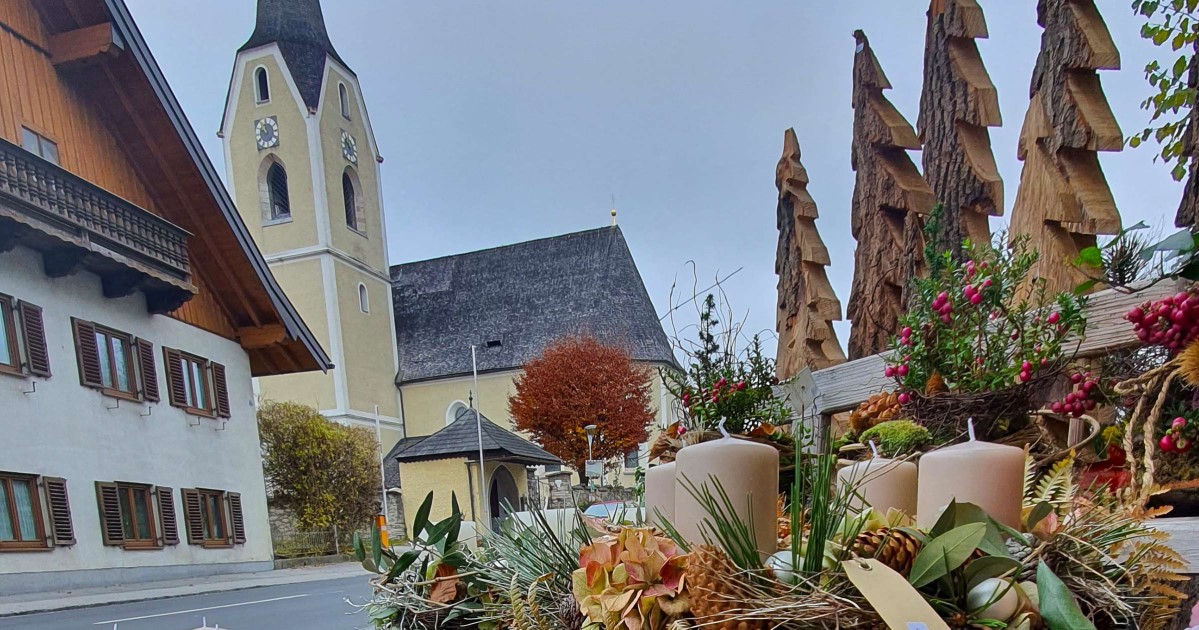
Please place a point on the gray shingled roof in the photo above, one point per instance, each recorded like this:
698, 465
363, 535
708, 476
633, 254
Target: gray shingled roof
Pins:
461, 439
514, 300
298, 27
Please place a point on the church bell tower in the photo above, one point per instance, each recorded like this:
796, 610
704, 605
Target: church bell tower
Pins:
303, 167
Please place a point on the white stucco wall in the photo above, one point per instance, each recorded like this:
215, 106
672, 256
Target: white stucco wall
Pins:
65, 430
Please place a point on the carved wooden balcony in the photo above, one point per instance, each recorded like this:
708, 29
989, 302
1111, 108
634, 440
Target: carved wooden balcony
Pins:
78, 225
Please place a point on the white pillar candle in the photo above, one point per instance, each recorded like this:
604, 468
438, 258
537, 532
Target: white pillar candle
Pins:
881, 483
748, 472
988, 475
659, 493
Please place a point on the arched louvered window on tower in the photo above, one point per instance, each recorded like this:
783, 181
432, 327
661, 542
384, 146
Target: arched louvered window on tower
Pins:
349, 196
344, 98
262, 85
276, 181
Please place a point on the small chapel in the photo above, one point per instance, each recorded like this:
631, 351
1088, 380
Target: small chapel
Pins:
303, 166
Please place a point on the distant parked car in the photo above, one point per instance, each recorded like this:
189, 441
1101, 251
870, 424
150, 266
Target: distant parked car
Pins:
616, 511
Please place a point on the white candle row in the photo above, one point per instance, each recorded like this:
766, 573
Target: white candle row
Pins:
988, 475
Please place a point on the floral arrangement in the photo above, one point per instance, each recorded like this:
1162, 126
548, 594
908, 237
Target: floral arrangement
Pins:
721, 382
632, 580
980, 339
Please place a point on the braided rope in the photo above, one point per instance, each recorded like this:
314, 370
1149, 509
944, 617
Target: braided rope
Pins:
1148, 430
1156, 380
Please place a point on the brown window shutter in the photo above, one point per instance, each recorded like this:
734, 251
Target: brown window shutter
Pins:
88, 353
236, 521
62, 532
193, 515
108, 498
33, 332
221, 389
175, 387
166, 515
145, 365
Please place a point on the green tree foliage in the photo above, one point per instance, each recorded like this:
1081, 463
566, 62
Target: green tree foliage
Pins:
325, 473
1173, 23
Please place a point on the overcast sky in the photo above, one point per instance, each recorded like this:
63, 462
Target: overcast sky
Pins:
508, 121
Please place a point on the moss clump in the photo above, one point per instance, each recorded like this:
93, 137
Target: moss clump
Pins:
897, 437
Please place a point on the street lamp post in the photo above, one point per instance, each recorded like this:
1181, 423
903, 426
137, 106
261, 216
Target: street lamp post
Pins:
590, 430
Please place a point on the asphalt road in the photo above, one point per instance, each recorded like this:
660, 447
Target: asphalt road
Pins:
305, 606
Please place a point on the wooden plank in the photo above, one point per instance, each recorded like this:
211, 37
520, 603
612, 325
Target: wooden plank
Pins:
84, 45
1184, 538
844, 386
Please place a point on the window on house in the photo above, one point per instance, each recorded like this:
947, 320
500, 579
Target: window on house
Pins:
276, 181
136, 516
262, 85
214, 517
39, 145
197, 384
343, 97
212, 505
10, 353
349, 201
630, 458
20, 513
114, 362
364, 303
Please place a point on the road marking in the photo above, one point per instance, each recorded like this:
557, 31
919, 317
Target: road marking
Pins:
195, 610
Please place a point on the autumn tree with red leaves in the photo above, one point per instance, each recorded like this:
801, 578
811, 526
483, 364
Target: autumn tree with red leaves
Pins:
579, 381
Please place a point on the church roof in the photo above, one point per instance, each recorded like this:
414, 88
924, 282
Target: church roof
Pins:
512, 301
298, 27
460, 438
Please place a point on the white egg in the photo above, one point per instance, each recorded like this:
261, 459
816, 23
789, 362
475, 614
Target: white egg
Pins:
993, 598
783, 565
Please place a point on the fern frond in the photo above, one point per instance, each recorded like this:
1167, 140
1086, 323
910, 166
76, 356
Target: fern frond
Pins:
1057, 486
1030, 478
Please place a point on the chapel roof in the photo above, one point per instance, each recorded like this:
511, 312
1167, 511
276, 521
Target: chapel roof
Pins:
298, 27
513, 301
460, 438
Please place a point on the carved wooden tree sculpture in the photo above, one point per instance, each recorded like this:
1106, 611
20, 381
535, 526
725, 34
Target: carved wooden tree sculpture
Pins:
1064, 200
889, 196
807, 305
1188, 209
957, 105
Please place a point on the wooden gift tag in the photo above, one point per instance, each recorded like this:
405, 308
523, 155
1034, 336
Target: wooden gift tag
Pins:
897, 601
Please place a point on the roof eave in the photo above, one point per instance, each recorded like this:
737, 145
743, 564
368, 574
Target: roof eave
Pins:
297, 330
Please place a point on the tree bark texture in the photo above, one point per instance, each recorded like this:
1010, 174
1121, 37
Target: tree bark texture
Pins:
807, 304
1188, 208
957, 104
889, 199
1064, 201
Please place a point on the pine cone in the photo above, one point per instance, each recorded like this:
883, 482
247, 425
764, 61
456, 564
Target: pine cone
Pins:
713, 594
1020, 553
880, 407
892, 547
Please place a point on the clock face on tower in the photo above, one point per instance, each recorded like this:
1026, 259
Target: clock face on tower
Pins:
266, 132
349, 147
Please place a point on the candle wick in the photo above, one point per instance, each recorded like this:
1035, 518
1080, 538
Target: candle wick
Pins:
874, 449
723, 431
970, 428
